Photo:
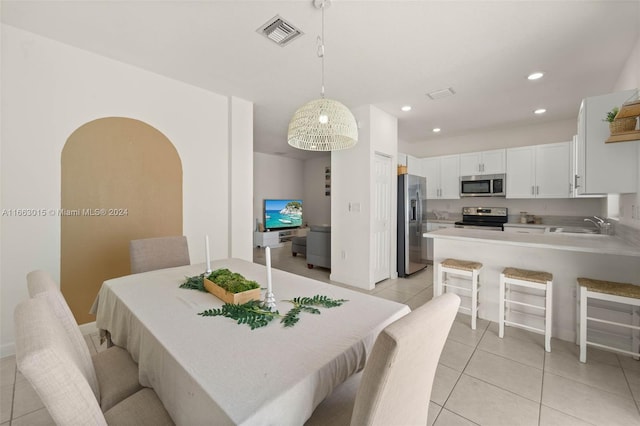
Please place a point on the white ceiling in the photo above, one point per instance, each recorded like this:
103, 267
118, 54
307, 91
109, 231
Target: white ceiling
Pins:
385, 53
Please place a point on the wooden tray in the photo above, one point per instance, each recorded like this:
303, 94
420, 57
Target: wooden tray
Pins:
235, 298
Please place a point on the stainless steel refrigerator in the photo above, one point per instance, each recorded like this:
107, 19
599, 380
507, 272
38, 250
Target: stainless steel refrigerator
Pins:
412, 214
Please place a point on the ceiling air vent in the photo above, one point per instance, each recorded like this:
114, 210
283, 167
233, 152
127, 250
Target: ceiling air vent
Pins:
442, 93
279, 31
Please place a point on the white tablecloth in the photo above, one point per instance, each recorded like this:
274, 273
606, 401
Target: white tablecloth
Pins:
210, 370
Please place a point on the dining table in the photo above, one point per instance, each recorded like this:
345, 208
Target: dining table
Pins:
214, 371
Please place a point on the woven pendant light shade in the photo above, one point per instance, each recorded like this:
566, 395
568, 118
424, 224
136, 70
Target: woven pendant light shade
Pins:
323, 125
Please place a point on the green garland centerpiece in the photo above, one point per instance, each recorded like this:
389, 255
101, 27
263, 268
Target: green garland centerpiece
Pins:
254, 313
232, 282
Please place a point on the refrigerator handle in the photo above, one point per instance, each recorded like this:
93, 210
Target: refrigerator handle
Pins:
419, 227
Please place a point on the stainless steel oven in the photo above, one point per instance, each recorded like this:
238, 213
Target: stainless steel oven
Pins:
483, 186
485, 218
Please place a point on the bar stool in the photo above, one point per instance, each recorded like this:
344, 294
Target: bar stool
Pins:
537, 280
624, 293
461, 268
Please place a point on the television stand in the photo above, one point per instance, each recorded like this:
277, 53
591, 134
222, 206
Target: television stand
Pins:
277, 238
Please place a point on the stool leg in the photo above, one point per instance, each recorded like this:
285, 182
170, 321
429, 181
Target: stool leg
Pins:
474, 298
501, 310
577, 313
635, 334
548, 315
583, 324
437, 290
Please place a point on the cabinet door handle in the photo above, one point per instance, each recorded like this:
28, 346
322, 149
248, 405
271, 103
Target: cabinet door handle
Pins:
537, 190
532, 190
575, 182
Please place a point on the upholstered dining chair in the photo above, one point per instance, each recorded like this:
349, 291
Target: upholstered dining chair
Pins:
395, 385
112, 374
150, 254
47, 358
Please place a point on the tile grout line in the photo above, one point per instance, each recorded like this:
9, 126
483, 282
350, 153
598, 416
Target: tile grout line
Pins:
461, 373
630, 390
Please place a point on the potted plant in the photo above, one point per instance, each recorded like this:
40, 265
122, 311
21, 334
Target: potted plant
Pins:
619, 125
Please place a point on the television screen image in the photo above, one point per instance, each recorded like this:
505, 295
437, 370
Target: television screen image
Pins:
280, 214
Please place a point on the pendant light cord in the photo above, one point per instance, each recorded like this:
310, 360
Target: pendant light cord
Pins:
321, 49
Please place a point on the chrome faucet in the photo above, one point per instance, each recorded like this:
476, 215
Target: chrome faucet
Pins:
602, 226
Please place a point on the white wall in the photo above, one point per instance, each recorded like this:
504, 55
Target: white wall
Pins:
630, 79
351, 173
241, 193
276, 176
49, 90
317, 206
505, 137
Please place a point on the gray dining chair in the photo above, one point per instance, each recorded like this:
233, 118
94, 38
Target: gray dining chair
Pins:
48, 360
112, 374
150, 254
395, 386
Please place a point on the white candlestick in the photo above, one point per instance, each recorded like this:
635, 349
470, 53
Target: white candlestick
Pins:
206, 248
268, 254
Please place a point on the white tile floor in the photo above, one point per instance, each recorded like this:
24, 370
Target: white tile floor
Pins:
481, 379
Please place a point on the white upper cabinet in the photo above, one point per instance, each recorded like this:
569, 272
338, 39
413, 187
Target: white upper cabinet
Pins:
443, 177
540, 171
482, 163
402, 159
414, 166
604, 168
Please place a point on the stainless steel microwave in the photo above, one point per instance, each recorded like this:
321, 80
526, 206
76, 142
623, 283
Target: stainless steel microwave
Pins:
483, 186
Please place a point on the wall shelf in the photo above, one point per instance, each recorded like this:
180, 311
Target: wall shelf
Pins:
627, 110
633, 135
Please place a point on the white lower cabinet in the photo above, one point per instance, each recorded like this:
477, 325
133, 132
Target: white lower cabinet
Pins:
539, 171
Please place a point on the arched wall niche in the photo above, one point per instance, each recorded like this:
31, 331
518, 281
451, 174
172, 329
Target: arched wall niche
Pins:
121, 180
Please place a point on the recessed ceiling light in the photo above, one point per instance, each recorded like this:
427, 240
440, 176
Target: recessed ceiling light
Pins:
535, 75
406, 108
540, 111
436, 130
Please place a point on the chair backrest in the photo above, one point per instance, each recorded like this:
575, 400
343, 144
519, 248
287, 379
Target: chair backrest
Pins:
398, 377
41, 285
158, 253
39, 281
45, 356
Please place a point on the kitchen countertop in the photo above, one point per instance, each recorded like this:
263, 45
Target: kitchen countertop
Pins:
588, 243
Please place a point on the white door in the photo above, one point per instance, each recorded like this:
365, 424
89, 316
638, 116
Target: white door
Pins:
381, 220
493, 162
521, 172
449, 177
470, 164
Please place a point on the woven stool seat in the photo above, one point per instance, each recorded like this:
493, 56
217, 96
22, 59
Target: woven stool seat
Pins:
526, 275
611, 287
464, 265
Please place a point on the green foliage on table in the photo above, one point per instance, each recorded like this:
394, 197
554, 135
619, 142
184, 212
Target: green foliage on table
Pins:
194, 283
230, 281
307, 304
251, 313
255, 315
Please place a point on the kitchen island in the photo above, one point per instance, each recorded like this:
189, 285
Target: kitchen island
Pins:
567, 256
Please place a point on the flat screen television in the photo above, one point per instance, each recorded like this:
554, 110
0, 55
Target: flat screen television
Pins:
282, 214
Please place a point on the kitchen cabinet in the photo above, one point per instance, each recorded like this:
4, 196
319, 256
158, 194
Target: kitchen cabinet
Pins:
443, 177
539, 171
603, 168
414, 166
402, 159
482, 163
574, 184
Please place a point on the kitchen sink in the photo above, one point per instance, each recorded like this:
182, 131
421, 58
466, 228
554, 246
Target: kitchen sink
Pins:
573, 230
